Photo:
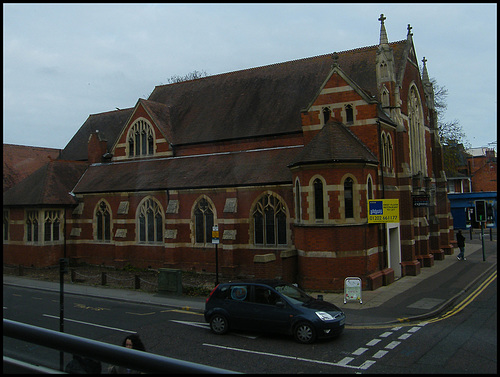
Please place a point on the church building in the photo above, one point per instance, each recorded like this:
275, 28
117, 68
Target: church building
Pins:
283, 159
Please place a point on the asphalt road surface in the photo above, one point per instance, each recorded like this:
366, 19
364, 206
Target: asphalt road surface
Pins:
464, 340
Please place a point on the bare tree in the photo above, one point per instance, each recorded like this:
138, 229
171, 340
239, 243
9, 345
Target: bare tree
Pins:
190, 76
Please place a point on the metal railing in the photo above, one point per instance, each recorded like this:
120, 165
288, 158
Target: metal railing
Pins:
116, 355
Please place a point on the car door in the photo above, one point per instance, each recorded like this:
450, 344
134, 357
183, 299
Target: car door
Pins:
239, 305
268, 313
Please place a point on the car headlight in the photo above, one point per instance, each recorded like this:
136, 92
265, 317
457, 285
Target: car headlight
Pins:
324, 316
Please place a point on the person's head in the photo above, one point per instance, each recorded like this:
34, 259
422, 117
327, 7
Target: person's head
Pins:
134, 342
460, 231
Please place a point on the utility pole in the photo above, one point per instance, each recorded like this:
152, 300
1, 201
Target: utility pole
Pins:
63, 269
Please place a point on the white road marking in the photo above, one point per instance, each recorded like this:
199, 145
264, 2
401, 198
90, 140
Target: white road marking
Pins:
207, 326
367, 364
373, 342
414, 329
392, 345
195, 324
360, 351
404, 336
380, 354
341, 363
90, 324
386, 334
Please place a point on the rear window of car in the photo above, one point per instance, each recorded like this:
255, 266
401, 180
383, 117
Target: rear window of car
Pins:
240, 292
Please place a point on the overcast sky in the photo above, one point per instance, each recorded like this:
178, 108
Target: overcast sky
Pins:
63, 62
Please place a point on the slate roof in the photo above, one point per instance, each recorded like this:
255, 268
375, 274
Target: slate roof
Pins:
334, 143
260, 101
49, 185
109, 123
244, 168
19, 161
255, 102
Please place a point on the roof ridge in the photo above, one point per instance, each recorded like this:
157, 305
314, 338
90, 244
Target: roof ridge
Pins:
358, 49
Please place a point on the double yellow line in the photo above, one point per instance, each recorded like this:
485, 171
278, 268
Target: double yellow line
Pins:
467, 300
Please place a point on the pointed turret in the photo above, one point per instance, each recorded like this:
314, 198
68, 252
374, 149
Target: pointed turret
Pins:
428, 88
383, 33
386, 77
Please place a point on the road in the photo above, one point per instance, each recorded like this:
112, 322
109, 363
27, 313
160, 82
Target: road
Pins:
462, 341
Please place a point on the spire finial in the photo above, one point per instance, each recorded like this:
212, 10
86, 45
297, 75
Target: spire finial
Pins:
335, 58
425, 75
383, 33
409, 30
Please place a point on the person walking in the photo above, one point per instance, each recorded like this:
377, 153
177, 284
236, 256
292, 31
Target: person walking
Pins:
461, 245
132, 341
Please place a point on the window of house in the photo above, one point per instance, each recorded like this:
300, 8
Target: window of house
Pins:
269, 219
5, 225
348, 198
150, 221
349, 114
52, 228
385, 98
32, 226
203, 221
326, 114
416, 133
141, 139
318, 199
103, 222
369, 189
389, 151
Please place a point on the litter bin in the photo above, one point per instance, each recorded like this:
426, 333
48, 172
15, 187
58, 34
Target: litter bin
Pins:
169, 281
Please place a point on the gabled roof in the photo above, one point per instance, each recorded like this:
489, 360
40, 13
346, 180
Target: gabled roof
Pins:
261, 101
334, 143
19, 161
49, 185
109, 123
233, 169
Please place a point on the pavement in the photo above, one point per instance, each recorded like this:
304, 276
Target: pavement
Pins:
408, 299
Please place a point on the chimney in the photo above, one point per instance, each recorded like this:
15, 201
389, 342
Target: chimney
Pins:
97, 147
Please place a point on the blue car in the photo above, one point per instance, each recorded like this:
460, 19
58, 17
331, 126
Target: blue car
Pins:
272, 306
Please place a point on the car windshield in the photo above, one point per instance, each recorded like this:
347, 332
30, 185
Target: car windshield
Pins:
294, 294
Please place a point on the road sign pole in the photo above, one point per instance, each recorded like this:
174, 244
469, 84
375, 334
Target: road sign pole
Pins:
216, 266
482, 239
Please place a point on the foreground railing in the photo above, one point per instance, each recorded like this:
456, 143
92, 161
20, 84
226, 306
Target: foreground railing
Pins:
116, 355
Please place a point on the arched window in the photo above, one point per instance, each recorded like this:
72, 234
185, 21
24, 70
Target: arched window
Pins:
103, 222
349, 114
385, 98
298, 209
369, 189
318, 199
269, 220
389, 151
140, 139
384, 150
326, 114
203, 221
348, 198
32, 226
416, 133
52, 227
150, 222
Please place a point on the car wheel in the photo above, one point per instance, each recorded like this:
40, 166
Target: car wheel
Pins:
219, 324
304, 332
